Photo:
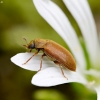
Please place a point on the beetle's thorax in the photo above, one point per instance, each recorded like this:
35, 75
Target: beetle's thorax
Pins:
40, 43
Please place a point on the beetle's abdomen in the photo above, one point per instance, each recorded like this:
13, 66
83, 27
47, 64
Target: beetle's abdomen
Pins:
60, 54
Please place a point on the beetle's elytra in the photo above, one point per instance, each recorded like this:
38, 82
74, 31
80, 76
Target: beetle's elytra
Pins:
54, 51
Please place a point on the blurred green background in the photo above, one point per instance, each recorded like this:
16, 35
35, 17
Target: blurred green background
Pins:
18, 19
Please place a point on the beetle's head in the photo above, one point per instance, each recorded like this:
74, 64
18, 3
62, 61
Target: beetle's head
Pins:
30, 45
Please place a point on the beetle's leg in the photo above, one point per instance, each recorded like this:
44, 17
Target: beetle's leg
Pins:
63, 72
56, 62
41, 61
31, 57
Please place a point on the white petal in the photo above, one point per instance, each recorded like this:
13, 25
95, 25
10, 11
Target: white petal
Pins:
98, 92
57, 19
82, 14
93, 72
52, 76
33, 64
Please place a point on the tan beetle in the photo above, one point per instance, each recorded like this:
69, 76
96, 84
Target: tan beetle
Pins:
54, 51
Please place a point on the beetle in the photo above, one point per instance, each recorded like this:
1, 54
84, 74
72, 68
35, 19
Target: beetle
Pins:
57, 53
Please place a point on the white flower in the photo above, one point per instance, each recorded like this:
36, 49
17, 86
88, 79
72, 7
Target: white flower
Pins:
50, 74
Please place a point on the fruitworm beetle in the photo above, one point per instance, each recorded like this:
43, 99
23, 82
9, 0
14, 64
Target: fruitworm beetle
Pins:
57, 53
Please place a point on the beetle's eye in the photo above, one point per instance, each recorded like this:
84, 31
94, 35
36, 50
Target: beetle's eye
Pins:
31, 46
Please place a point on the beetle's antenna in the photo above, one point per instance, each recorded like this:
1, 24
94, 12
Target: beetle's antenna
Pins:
25, 46
25, 40
26, 43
